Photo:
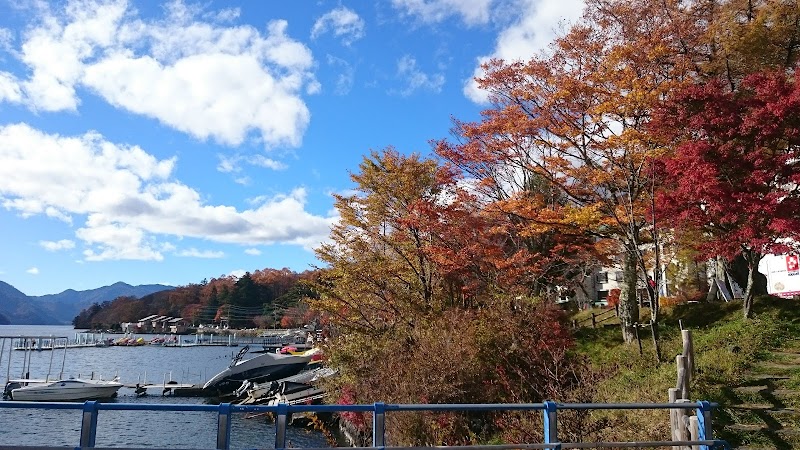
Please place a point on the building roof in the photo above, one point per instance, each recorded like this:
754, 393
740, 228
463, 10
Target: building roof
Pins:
150, 317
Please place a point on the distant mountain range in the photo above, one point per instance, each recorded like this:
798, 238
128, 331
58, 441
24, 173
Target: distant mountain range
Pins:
59, 309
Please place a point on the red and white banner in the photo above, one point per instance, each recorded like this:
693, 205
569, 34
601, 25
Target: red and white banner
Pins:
783, 274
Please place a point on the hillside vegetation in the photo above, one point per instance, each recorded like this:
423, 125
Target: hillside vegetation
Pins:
263, 297
730, 355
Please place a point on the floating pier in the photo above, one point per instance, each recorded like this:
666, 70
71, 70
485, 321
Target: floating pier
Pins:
171, 388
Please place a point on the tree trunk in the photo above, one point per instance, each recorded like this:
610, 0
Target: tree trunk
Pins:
628, 306
752, 259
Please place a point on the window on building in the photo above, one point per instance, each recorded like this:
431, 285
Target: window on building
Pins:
602, 298
602, 277
619, 276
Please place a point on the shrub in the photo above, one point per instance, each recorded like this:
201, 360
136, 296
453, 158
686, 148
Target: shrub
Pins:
671, 301
491, 355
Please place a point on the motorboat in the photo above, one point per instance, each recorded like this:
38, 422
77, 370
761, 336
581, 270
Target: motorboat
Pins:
67, 390
304, 385
262, 368
311, 374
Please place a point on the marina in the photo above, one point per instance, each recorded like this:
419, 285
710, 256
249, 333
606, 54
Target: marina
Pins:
269, 340
165, 375
57, 383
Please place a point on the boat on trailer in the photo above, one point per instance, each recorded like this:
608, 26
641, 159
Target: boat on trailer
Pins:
69, 390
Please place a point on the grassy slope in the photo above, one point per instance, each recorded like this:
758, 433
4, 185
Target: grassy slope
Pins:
727, 347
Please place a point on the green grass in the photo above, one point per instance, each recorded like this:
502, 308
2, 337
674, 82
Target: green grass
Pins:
728, 351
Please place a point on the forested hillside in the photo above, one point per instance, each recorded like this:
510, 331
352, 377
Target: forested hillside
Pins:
263, 298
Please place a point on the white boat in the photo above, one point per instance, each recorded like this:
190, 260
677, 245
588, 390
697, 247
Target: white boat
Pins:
262, 368
66, 390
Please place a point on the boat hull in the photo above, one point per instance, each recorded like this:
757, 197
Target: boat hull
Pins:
262, 368
66, 391
228, 381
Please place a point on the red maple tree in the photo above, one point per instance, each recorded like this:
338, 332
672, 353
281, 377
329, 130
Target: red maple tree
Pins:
736, 171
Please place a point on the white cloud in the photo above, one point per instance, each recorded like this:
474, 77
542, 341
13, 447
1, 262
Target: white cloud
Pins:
253, 251
225, 15
10, 90
267, 163
232, 164
57, 214
195, 253
130, 200
346, 76
54, 246
532, 33
238, 273
33, 271
342, 22
114, 241
6, 38
472, 12
415, 79
187, 70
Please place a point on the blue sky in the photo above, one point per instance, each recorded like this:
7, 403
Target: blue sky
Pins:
169, 142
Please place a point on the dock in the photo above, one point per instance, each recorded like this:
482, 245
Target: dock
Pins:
170, 388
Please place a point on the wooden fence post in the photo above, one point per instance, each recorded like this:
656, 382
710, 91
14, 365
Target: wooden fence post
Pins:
682, 421
683, 379
688, 352
638, 339
694, 431
594, 321
673, 416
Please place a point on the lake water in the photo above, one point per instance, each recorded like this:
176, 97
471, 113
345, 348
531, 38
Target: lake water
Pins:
131, 428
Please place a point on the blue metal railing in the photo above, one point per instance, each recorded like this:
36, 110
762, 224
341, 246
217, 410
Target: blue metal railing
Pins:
549, 411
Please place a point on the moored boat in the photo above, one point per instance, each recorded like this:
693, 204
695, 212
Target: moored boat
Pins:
262, 368
66, 391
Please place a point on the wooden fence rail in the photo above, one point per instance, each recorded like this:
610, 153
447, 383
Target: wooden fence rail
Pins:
596, 319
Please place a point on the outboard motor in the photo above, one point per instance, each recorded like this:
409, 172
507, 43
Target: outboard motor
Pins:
9, 387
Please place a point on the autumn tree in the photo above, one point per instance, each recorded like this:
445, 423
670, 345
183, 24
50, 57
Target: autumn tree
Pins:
576, 117
379, 277
735, 174
415, 289
749, 36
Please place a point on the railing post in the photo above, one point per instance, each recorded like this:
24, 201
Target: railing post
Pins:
89, 424
694, 432
705, 431
224, 427
550, 422
280, 425
379, 425
673, 416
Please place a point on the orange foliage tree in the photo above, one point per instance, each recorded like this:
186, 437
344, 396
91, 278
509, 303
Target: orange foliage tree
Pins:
416, 288
574, 120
